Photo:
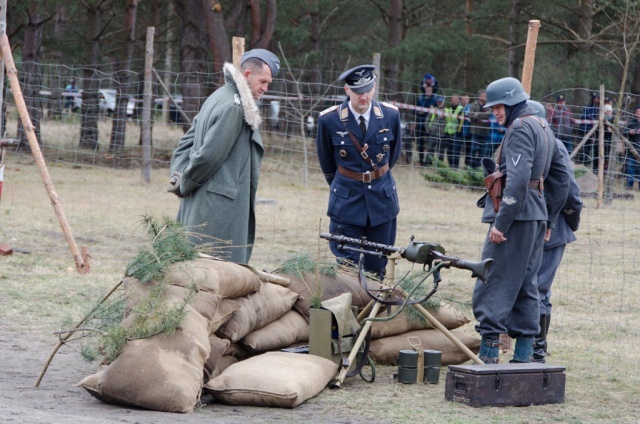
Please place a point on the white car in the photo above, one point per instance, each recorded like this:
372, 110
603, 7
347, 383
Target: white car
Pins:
107, 102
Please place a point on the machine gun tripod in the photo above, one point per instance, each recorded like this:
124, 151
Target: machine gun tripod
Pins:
432, 257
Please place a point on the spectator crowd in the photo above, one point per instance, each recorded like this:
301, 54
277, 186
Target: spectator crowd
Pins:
458, 131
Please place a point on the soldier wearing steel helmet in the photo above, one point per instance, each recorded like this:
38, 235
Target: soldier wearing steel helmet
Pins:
508, 302
562, 234
358, 143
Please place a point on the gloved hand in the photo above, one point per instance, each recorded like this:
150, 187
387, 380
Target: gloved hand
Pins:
174, 184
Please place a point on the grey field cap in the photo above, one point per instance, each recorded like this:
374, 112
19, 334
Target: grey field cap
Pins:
266, 56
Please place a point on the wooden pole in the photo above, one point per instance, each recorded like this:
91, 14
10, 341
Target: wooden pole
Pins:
434, 321
376, 63
82, 264
238, 50
530, 55
600, 195
3, 30
584, 140
147, 100
66, 337
169, 97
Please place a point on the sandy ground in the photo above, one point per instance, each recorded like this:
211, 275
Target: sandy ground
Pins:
58, 400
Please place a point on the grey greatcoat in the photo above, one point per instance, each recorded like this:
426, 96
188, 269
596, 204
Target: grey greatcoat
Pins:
508, 303
218, 161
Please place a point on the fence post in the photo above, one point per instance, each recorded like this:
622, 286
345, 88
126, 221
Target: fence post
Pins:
601, 149
146, 107
3, 29
376, 63
238, 50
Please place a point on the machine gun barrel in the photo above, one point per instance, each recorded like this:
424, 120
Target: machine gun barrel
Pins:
363, 245
417, 252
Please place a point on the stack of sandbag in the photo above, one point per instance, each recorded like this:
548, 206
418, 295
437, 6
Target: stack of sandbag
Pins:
410, 328
165, 372
328, 287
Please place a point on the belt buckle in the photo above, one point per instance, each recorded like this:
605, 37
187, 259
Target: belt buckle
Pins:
366, 177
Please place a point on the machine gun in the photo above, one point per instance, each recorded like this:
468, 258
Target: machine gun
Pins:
432, 257
425, 253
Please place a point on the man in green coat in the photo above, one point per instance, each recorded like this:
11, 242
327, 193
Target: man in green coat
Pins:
216, 166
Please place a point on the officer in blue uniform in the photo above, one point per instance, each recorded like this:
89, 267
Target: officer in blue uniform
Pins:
358, 143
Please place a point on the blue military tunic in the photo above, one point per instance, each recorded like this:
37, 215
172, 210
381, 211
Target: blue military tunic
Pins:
360, 201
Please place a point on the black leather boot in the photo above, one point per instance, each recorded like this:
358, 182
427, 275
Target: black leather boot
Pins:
540, 342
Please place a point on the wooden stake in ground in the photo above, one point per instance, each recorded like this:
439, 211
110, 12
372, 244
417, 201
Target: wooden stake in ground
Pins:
12, 73
238, 50
530, 55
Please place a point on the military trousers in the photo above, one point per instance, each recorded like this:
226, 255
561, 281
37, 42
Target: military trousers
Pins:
551, 259
384, 234
508, 302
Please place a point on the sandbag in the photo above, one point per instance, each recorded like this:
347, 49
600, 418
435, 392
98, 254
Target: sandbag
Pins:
257, 310
385, 351
223, 363
328, 288
224, 312
212, 364
289, 329
206, 304
445, 314
163, 373
223, 278
285, 380
237, 351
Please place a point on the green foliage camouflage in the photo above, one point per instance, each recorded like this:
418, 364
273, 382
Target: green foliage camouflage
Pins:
168, 246
103, 333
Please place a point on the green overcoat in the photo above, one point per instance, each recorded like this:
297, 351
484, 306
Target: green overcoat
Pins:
218, 161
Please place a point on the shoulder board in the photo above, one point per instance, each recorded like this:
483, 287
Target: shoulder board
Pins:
389, 105
332, 108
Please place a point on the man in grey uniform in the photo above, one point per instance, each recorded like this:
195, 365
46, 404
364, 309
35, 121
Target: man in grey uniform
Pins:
563, 234
216, 167
508, 302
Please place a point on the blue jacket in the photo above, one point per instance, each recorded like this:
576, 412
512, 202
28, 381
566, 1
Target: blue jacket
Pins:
353, 202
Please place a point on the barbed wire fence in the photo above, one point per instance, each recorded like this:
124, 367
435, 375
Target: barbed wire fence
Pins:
290, 111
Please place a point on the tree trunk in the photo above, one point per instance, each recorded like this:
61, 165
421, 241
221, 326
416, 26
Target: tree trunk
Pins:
119, 122
91, 83
31, 76
395, 37
261, 35
585, 26
514, 31
218, 38
192, 67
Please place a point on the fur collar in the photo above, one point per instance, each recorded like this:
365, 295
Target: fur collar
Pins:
251, 110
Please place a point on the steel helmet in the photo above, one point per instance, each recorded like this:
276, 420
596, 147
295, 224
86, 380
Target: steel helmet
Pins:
506, 91
538, 107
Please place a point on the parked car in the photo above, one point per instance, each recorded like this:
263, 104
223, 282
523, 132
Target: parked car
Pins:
107, 103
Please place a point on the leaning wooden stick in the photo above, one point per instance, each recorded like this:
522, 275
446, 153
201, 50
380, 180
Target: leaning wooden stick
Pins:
434, 321
530, 55
66, 337
12, 73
